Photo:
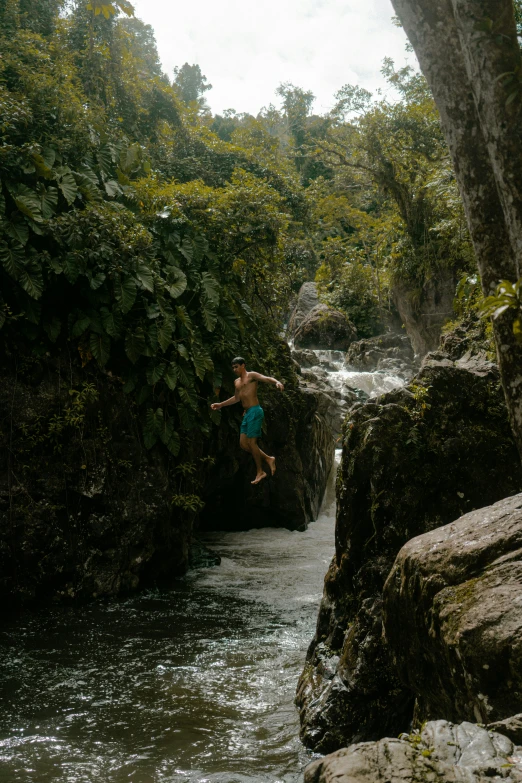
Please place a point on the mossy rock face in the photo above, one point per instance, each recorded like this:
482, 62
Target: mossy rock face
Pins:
453, 616
325, 328
413, 460
85, 509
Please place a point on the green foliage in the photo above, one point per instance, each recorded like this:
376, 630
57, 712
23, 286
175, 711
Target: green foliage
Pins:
346, 283
156, 281
508, 296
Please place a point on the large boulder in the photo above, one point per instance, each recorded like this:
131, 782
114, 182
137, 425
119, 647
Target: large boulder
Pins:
413, 460
441, 753
325, 328
424, 311
453, 616
307, 299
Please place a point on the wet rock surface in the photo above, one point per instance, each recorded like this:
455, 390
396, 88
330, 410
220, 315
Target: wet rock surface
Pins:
441, 752
324, 327
453, 616
413, 460
391, 352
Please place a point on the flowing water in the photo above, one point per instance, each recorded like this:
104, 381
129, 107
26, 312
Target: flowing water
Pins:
194, 684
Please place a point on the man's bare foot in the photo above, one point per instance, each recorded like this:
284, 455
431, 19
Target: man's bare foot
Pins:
259, 478
271, 464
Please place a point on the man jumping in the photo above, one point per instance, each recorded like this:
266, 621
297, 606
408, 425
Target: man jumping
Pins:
246, 394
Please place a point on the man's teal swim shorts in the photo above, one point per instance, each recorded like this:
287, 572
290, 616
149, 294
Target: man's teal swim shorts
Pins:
253, 422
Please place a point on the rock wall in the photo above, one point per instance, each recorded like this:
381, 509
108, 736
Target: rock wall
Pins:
413, 460
86, 511
453, 616
424, 313
298, 435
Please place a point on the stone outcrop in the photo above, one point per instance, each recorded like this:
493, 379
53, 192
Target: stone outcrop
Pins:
391, 352
424, 312
300, 437
441, 753
413, 460
326, 328
307, 299
453, 616
85, 509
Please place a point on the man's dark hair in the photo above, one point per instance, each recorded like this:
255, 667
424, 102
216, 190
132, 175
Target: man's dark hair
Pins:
238, 360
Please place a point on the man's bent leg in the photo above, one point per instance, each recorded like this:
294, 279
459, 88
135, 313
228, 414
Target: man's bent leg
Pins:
256, 453
244, 442
270, 461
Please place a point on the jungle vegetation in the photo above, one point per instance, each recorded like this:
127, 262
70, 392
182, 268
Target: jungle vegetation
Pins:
157, 239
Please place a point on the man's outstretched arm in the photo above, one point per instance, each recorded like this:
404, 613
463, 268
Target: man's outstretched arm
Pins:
231, 401
266, 379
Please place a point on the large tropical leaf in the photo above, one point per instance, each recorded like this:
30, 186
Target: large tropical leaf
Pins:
27, 201
201, 360
188, 397
210, 287
100, 346
185, 375
105, 157
12, 258
165, 329
209, 315
169, 436
96, 280
112, 322
87, 182
71, 267
135, 344
145, 276
112, 188
68, 186
186, 249
31, 279
80, 325
176, 281
48, 201
155, 372
171, 376
125, 290
151, 427
16, 228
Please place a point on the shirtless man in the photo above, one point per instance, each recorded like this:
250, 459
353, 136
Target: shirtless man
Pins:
246, 394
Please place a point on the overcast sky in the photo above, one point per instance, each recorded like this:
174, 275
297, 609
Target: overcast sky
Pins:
246, 48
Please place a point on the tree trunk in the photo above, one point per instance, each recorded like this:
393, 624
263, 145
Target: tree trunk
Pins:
464, 47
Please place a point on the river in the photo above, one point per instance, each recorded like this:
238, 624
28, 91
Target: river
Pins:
195, 684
